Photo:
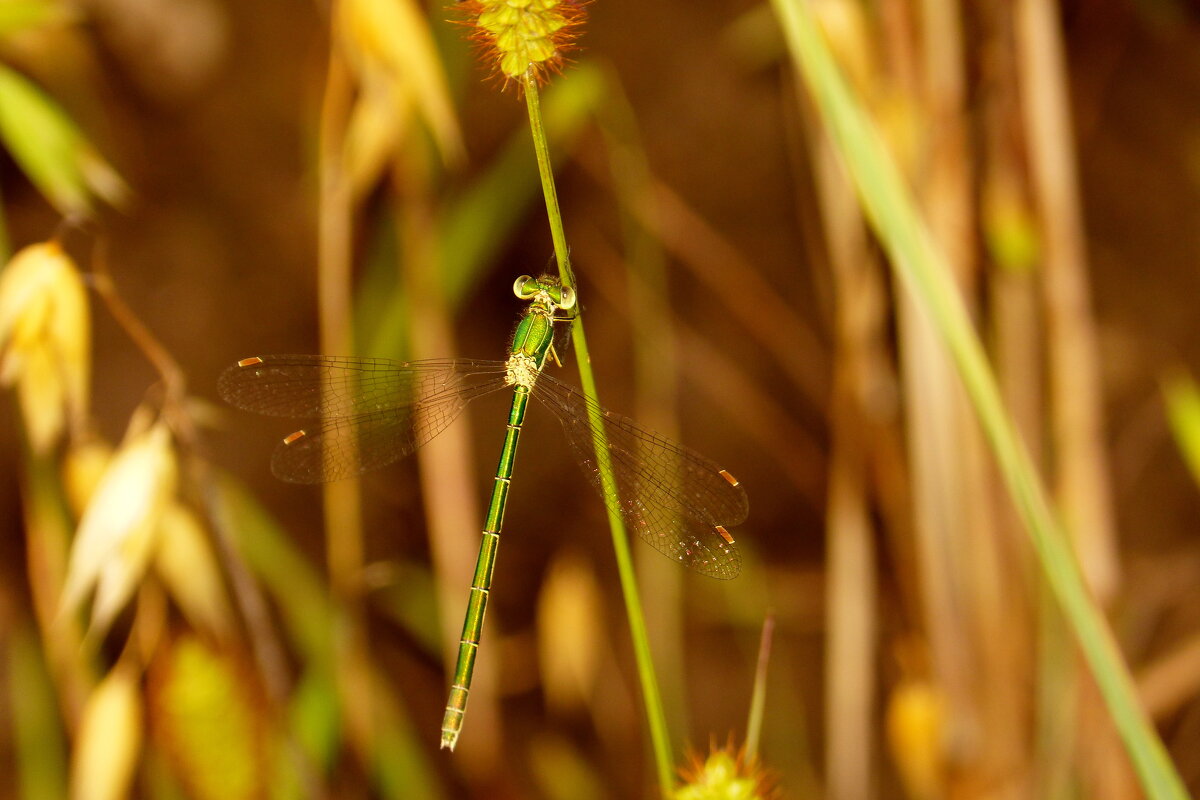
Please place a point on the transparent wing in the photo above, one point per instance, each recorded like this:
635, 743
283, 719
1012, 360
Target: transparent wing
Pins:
368, 412
676, 500
307, 387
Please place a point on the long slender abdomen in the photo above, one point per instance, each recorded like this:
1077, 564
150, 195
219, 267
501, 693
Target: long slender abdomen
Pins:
468, 646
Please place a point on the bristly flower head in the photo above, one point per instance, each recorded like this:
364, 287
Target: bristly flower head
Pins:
725, 774
524, 35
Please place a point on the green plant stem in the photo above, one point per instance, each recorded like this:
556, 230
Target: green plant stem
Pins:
758, 700
655, 717
546, 170
922, 268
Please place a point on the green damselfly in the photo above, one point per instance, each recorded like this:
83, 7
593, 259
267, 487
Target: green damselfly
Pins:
369, 412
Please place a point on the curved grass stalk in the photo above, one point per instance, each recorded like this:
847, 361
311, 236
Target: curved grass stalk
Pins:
924, 272
655, 716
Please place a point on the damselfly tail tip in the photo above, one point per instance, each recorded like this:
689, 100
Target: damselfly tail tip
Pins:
292, 437
726, 535
449, 739
250, 362
732, 480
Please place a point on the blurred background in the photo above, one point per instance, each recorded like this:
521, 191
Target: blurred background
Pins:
276, 176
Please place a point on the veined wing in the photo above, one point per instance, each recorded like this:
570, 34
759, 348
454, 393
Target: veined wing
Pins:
308, 387
369, 412
676, 500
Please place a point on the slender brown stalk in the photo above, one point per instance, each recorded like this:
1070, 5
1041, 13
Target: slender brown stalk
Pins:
1173, 680
446, 465
851, 624
1081, 465
950, 517
1080, 468
343, 506
850, 656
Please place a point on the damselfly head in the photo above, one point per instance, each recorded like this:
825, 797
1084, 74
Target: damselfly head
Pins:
546, 290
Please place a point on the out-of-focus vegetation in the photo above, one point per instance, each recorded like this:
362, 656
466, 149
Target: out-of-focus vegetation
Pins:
188, 182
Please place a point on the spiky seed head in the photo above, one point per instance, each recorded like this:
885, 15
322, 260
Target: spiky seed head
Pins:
523, 35
724, 774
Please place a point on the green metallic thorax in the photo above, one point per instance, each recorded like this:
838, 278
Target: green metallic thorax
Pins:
534, 336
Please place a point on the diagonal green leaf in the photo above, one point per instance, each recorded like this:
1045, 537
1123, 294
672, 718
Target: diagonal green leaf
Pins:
923, 270
51, 150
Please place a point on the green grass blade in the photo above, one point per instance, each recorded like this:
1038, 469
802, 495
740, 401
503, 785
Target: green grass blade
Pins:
758, 700
655, 715
40, 747
923, 270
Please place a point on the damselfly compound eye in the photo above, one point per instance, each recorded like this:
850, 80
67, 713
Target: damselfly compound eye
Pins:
566, 298
522, 288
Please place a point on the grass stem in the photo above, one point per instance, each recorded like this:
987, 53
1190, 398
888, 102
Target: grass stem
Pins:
655, 716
